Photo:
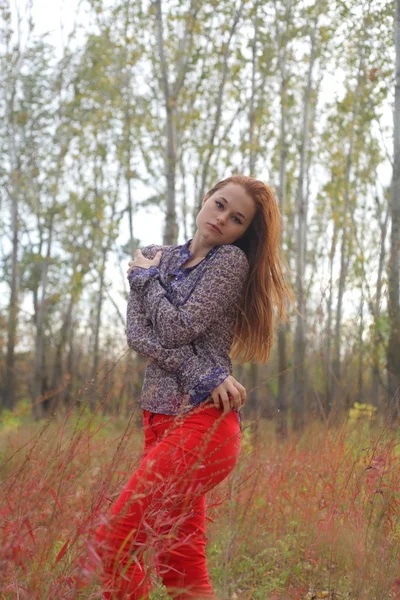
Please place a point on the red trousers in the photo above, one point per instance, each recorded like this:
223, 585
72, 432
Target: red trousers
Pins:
158, 520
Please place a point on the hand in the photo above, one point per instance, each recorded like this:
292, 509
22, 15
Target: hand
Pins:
141, 261
230, 394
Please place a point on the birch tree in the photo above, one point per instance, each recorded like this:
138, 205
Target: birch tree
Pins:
13, 182
282, 55
171, 90
393, 351
301, 228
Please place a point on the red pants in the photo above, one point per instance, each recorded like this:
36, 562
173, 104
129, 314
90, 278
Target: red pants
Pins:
159, 518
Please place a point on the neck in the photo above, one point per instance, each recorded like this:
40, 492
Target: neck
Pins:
199, 247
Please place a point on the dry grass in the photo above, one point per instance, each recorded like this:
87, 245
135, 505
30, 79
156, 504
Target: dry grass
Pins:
316, 516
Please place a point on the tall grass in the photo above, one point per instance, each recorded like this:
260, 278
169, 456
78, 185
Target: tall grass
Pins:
312, 517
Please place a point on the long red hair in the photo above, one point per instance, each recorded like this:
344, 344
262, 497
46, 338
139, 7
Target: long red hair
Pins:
266, 290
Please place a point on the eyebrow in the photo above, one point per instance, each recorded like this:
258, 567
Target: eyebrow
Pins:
239, 213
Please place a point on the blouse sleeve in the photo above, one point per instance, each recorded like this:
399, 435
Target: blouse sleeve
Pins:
219, 287
197, 375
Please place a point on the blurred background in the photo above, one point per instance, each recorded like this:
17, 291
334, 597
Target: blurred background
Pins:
118, 116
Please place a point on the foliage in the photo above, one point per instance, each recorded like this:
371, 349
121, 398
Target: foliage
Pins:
361, 412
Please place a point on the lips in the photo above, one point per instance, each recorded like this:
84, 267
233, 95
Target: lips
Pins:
215, 227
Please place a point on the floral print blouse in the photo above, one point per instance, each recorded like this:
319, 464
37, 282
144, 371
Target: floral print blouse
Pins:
183, 319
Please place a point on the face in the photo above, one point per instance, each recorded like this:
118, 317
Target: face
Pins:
230, 209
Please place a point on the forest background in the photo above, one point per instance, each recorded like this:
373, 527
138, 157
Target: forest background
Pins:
113, 125
112, 132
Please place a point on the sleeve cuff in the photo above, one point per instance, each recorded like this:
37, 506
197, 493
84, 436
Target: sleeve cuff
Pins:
207, 384
139, 276
200, 385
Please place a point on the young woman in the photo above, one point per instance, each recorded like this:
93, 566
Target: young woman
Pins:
190, 306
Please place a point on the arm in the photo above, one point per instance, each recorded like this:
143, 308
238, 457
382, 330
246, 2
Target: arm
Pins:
197, 375
219, 287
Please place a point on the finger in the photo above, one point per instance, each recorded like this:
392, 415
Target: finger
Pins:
225, 402
235, 396
238, 385
215, 399
138, 251
226, 406
234, 402
243, 397
242, 391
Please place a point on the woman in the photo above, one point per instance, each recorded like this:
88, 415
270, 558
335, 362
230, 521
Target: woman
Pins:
188, 308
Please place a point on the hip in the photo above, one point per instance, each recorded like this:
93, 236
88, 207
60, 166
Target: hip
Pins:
203, 415
204, 424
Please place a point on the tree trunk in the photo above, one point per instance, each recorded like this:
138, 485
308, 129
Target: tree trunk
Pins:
328, 329
360, 391
253, 398
252, 115
344, 258
39, 369
377, 338
301, 214
254, 376
393, 350
218, 113
9, 390
171, 93
69, 368
58, 360
282, 396
99, 308
9, 386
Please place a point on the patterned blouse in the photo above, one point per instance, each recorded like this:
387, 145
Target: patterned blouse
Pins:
183, 319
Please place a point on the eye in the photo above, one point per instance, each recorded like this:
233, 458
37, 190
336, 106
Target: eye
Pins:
220, 204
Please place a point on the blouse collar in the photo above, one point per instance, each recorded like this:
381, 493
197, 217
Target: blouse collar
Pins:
185, 254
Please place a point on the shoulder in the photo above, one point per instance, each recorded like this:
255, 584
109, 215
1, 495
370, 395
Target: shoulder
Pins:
230, 254
229, 265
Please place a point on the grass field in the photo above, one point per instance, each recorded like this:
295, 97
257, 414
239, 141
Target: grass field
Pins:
316, 516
